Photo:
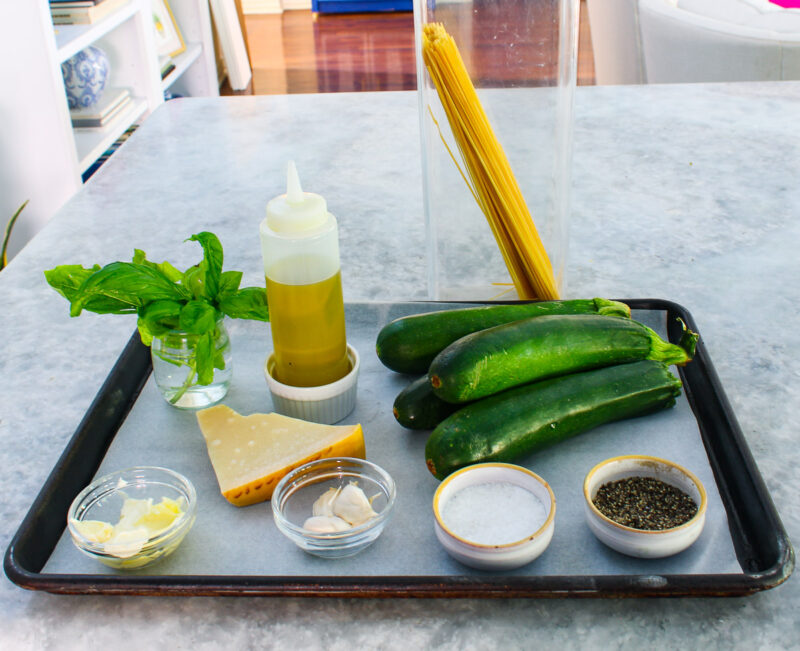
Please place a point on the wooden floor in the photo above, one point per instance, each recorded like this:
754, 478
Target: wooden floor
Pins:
301, 52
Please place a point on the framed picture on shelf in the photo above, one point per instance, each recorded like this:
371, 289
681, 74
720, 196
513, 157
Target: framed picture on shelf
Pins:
169, 41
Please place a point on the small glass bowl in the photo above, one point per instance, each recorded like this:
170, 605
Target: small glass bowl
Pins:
642, 543
296, 493
103, 499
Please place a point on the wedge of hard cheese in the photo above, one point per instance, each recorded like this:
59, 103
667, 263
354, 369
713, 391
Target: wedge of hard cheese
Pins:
250, 454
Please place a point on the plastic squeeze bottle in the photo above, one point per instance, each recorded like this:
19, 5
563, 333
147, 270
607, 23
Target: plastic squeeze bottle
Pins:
300, 246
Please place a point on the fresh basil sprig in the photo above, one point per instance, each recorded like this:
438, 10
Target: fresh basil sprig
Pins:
166, 299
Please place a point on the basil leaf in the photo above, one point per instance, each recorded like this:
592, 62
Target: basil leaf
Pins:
204, 358
229, 282
144, 333
198, 317
204, 279
130, 283
161, 316
219, 359
194, 280
67, 279
175, 275
247, 303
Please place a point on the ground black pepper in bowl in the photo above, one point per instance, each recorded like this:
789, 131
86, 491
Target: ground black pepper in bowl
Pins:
644, 503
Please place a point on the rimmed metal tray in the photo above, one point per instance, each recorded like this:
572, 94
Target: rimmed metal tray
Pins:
744, 547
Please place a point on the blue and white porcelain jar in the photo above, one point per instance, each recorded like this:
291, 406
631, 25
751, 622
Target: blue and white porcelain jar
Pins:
85, 77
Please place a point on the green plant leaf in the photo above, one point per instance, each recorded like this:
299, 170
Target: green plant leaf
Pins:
67, 279
203, 279
247, 303
219, 359
144, 333
7, 235
229, 283
130, 283
194, 282
198, 317
159, 317
175, 275
204, 358
165, 299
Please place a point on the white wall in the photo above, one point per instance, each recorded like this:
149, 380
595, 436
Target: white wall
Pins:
35, 161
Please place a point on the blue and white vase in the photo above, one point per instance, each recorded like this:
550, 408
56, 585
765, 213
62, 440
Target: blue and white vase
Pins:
85, 77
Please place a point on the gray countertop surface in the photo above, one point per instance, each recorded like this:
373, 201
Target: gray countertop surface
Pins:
684, 192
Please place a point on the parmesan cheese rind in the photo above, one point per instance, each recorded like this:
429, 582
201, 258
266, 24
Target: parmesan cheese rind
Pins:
250, 454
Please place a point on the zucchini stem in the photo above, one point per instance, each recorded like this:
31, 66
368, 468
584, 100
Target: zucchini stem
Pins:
663, 351
611, 308
688, 339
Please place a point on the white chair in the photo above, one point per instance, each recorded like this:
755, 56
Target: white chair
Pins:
661, 41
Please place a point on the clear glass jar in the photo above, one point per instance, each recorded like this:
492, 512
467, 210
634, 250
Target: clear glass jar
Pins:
522, 61
175, 373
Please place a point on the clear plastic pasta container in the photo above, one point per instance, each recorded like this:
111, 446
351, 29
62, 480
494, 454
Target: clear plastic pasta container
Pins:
521, 59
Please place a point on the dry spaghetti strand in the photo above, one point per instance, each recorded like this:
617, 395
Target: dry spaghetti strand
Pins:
488, 173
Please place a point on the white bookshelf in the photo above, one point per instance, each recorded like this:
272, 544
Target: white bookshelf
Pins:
195, 73
91, 143
42, 157
71, 39
182, 62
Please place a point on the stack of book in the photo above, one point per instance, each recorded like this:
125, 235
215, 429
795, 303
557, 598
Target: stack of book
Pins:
107, 154
113, 102
81, 12
166, 65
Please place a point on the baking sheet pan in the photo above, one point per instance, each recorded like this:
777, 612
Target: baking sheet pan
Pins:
742, 549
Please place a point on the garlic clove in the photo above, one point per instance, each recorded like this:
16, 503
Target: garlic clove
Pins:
323, 505
325, 524
352, 504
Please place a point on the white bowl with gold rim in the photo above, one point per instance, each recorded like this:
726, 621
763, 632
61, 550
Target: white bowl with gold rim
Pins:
639, 542
485, 555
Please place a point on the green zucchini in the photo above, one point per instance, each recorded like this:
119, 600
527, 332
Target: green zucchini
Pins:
525, 419
498, 358
416, 406
409, 344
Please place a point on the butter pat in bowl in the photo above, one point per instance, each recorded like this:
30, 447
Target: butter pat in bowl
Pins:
132, 518
650, 507
494, 516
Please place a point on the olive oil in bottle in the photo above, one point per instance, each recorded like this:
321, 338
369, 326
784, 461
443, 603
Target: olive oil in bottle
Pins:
300, 247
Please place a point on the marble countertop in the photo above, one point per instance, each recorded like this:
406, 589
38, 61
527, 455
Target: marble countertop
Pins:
685, 192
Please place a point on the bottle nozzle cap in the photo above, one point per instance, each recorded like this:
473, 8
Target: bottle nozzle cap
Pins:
294, 191
296, 211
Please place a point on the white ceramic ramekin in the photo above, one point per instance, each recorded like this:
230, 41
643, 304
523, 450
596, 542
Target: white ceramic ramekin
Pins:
638, 542
495, 557
326, 404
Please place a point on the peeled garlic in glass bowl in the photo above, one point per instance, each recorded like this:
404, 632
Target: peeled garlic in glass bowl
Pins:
295, 495
339, 509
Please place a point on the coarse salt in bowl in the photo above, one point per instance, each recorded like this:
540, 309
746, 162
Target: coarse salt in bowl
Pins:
494, 516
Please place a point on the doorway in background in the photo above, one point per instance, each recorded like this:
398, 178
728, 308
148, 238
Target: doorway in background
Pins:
302, 52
